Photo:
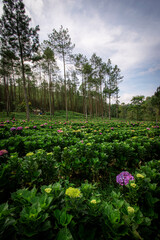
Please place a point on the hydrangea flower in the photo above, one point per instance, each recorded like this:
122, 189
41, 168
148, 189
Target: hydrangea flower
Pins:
2, 152
59, 131
124, 177
93, 201
29, 154
73, 192
139, 175
130, 210
13, 129
48, 190
34, 127
19, 128
133, 185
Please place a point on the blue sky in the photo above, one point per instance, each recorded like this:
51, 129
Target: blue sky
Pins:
126, 31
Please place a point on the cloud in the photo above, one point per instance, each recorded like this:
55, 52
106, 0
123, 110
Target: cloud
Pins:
153, 69
125, 31
126, 98
34, 10
91, 32
1, 8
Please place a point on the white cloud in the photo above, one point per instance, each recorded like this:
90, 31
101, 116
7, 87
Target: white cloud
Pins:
1, 8
123, 33
126, 98
126, 47
150, 70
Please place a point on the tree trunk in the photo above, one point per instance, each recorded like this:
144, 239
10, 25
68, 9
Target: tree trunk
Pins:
101, 101
86, 100
109, 112
117, 106
50, 100
25, 90
65, 87
23, 75
83, 92
6, 94
106, 107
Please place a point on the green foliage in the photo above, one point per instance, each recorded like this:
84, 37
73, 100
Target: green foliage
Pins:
85, 157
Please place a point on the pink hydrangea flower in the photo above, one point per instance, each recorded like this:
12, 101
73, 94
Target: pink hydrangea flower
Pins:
2, 152
59, 131
19, 128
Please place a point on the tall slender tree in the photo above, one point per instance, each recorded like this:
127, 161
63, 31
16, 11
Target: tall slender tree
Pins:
62, 45
110, 87
49, 64
79, 61
117, 79
87, 71
18, 37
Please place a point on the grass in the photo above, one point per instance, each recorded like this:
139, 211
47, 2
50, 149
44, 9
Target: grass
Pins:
58, 115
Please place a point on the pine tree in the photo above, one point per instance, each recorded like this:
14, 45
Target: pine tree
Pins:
17, 37
110, 86
49, 64
61, 44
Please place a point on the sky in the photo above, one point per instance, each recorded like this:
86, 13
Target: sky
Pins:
126, 31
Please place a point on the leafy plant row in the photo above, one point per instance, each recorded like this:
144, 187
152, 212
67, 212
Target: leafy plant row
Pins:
59, 179
64, 211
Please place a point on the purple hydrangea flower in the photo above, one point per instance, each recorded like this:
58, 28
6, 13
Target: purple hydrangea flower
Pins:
34, 126
124, 177
19, 128
13, 129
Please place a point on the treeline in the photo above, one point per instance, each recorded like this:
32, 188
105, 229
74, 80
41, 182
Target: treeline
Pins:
49, 77
141, 108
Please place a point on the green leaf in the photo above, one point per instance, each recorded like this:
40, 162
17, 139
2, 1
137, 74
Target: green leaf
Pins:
64, 234
65, 218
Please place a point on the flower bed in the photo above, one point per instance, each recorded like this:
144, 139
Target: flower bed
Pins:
58, 179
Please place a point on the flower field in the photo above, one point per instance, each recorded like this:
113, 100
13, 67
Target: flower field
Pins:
79, 180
